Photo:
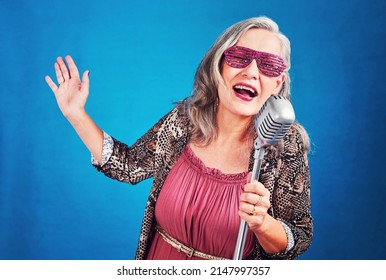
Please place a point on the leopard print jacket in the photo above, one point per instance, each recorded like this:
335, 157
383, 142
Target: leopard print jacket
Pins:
284, 172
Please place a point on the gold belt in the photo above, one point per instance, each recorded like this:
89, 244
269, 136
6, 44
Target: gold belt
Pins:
190, 252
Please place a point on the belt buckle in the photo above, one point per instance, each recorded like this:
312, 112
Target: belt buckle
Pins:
190, 252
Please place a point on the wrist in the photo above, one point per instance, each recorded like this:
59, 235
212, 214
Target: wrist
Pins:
265, 226
76, 117
272, 236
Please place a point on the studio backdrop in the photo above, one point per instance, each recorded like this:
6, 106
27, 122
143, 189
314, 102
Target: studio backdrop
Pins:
142, 56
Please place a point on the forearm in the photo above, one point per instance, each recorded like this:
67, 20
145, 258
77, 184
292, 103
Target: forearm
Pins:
272, 236
89, 133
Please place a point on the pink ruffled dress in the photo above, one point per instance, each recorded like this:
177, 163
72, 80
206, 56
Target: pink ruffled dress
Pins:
198, 206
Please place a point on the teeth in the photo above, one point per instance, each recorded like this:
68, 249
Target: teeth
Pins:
245, 88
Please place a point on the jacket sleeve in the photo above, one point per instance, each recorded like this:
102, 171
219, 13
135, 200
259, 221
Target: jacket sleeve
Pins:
132, 164
291, 195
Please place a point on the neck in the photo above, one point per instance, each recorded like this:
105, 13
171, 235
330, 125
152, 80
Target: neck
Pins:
231, 128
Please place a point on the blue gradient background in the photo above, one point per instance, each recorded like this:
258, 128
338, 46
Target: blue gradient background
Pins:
142, 56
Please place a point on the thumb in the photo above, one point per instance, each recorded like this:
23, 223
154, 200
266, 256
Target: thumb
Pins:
249, 177
86, 81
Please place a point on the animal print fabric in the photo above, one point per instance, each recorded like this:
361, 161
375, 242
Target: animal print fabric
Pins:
284, 173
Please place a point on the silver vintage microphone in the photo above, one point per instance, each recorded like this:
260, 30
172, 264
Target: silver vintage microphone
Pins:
272, 123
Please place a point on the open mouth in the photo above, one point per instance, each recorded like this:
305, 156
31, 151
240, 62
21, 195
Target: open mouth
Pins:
245, 91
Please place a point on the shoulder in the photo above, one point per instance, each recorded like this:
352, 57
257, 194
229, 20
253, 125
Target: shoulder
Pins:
175, 123
294, 144
296, 140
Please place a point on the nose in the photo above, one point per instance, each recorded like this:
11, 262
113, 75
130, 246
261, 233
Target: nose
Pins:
252, 70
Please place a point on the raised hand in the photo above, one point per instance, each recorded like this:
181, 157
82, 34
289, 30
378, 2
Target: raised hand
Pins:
71, 93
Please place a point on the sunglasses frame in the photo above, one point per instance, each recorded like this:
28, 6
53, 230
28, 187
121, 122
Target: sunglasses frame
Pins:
269, 64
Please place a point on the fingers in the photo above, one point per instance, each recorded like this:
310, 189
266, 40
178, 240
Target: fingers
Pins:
61, 71
255, 222
254, 209
64, 72
59, 74
51, 84
256, 194
255, 199
254, 203
72, 67
252, 213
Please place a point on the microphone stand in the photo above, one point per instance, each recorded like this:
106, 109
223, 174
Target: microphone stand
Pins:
258, 156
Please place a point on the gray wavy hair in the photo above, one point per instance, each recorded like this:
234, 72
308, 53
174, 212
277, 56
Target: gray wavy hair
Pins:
201, 105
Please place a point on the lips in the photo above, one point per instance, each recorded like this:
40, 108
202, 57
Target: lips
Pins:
245, 92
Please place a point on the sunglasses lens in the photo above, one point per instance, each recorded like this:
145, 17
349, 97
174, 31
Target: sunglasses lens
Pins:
237, 61
237, 58
269, 64
270, 67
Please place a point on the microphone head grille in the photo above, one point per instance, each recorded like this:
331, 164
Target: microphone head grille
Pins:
274, 119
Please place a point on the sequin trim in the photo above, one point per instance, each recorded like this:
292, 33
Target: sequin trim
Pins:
107, 150
290, 236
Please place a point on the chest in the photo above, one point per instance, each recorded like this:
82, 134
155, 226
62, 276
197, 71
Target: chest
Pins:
228, 160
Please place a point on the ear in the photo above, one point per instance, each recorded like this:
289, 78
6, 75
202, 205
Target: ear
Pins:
279, 83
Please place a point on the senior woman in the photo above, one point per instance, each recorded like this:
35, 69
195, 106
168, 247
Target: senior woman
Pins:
201, 153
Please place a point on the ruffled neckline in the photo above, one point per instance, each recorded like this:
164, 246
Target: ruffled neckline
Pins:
213, 172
